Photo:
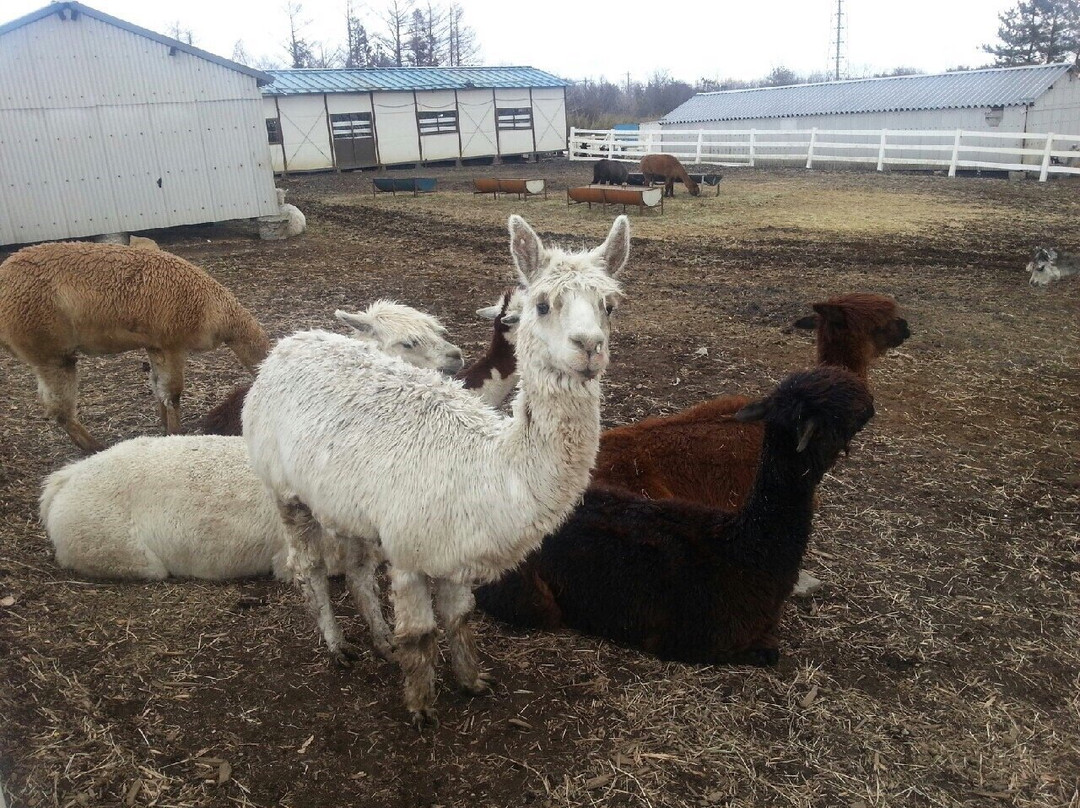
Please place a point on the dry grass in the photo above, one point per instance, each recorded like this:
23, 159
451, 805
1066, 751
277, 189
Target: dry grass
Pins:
940, 666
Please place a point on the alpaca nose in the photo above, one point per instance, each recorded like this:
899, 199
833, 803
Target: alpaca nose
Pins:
589, 344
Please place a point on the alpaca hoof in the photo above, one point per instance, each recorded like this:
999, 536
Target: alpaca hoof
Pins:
424, 718
481, 686
386, 651
805, 586
345, 655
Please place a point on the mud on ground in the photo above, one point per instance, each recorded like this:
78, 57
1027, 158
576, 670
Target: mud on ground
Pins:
939, 666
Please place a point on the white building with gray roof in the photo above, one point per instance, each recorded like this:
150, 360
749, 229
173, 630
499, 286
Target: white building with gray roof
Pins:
1041, 98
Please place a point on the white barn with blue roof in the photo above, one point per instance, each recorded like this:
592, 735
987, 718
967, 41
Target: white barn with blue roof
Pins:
1040, 98
357, 118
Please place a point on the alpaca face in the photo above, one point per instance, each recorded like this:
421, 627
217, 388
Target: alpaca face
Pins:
891, 335
568, 300
412, 336
506, 313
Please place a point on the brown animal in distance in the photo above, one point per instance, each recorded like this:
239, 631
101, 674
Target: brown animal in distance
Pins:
666, 168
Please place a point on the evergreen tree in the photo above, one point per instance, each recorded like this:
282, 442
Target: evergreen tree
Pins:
1038, 32
358, 50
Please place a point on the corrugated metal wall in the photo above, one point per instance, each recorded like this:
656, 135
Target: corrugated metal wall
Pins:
101, 130
1057, 110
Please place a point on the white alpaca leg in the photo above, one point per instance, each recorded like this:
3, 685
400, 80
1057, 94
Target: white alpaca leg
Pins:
416, 640
309, 571
361, 562
454, 602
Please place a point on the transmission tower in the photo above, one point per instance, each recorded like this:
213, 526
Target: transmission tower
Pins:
839, 49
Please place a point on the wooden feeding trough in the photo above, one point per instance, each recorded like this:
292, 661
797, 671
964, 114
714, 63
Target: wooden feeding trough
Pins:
522, 187
395, 185
617, 195
711, 180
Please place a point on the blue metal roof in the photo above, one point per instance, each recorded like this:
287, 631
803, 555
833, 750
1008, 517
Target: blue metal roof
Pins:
993, 87
363, 80
71, 11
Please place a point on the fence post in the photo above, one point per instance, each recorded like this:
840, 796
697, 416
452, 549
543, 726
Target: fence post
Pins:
648, 141
810, 148
753, 139
955, 153
700, 135
1046, 157
572, 143
881, 152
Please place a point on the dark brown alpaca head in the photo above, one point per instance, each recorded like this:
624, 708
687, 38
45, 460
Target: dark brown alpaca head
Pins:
855, 329
814, 413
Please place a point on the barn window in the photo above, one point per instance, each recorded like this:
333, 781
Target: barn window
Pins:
514, 117
351, 125
437, 123
273, 131
994, 116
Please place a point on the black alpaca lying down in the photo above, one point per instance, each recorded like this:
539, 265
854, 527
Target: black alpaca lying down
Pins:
684, 581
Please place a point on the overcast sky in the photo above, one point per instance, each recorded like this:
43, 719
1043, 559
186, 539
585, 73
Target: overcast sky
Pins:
592, 38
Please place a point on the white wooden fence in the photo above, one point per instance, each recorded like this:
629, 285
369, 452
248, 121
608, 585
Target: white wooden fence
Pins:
1044, 154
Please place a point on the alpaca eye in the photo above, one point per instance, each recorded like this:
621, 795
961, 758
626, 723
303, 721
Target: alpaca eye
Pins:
542, 308
408, 346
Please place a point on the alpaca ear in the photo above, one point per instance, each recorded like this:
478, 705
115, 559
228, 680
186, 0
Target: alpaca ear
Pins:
511, 319
754, 411
807, 322
615, 250
489, 312
831, 313
806, 431
526, 249
357, 322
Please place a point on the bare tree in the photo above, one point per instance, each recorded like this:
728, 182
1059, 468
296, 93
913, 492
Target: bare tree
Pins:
180, 33
394, 38
461, 44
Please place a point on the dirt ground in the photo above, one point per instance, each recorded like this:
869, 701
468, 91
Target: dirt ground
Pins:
938, 666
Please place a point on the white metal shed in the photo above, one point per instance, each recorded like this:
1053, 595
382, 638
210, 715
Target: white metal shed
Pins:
108, 127
356, 118
1039, 98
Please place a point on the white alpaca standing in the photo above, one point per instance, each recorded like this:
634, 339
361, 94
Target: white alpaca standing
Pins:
115, 515
406, 466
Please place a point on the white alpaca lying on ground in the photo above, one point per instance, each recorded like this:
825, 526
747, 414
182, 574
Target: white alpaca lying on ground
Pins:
117, 515
297, 221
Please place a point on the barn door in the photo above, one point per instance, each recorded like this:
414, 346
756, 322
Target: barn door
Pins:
354, 140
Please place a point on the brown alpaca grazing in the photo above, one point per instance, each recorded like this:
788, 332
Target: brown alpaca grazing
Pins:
703, 454
60, 300
666, 168
683, 581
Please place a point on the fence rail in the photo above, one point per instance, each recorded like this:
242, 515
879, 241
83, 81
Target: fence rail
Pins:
1040, 153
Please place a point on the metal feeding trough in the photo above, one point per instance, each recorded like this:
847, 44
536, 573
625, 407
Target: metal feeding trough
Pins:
394, 185
522, 187
712, 180
642, 198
